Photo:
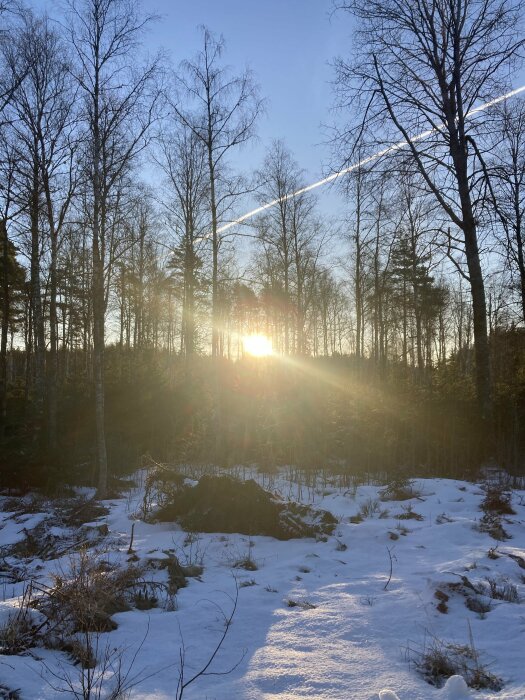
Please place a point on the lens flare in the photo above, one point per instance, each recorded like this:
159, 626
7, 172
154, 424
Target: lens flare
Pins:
257, 345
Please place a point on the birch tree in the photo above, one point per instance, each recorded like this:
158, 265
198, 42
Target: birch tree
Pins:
221, 110
182, 158
120, 99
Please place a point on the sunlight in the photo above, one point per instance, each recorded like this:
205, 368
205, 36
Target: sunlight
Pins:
257, 345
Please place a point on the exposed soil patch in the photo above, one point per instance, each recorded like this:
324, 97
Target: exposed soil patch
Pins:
224, 504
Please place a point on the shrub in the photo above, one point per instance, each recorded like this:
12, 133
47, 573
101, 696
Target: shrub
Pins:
161, 486
497, 500
399, 489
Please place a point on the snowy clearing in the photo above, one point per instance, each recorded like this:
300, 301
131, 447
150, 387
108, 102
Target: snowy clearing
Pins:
314, 619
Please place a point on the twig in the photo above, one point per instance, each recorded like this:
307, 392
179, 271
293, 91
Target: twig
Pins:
182, 684
391, 567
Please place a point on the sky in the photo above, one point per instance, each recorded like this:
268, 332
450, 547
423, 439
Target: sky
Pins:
288, 44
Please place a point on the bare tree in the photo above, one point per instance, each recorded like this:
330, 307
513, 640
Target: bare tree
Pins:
359, 188
9, 267
10, 12
120, 101
44, 123
183, 159
507, 170
423, 65
291, 232
7, 86
24, 113
357, 239
277, 179
222, 113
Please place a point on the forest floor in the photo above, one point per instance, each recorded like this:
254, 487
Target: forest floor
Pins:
402, 590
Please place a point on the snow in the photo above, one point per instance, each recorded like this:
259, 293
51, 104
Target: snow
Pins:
352, 633
388, 695
456, 688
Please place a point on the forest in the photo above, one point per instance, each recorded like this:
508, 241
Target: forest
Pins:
144, 315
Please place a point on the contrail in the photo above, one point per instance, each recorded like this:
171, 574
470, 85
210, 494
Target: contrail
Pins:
395, 147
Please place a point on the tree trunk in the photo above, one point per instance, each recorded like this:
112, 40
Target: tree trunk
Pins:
215, 306
518, 236
52, 369
98, 300
358, 271
5, 327
36, 298
479, 311
98, 360
477, 287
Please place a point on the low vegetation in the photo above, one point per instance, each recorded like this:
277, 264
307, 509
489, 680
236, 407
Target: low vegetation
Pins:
438, 660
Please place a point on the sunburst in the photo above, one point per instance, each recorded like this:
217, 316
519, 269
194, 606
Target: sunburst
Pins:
257, 345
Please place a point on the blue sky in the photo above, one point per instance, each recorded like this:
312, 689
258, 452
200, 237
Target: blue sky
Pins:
287, 43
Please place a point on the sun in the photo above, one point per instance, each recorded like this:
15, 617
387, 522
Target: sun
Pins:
257, 345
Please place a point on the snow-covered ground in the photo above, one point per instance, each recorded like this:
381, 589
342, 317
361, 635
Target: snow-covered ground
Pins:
352, 633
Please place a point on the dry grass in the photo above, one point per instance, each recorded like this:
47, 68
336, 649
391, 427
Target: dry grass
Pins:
478, 605
409, 514
247, 563
370, 508
21, 631
503, 590
302, 604
84, 597
443, 518
492, 525
439, 660
8, 693
248, 584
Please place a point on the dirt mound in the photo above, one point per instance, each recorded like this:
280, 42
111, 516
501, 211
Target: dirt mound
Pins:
224, 504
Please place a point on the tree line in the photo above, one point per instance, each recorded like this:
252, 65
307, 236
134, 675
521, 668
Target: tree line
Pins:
119, 178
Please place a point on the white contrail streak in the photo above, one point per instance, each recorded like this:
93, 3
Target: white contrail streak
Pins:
395, 147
